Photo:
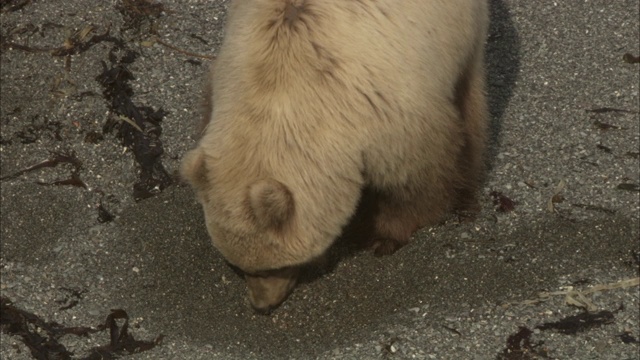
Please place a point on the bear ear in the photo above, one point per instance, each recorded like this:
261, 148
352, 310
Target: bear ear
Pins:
271, 202
193, 169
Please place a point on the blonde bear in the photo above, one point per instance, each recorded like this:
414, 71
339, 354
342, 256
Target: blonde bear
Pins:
312, 101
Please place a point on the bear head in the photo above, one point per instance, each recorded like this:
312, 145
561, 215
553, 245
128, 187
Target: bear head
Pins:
252, 223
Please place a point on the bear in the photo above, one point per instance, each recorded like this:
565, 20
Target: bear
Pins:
313, 103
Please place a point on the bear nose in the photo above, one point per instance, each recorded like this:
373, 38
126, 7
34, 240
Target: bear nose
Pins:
266, 310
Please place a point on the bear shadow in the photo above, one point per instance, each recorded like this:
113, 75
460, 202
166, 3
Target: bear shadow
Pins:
502, 59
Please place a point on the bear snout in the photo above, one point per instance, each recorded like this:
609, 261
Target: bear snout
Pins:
267, 292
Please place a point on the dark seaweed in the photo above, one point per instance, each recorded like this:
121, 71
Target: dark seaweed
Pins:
520, 347
93, 137
71, 299
74, 180
634, 262
80, 96
43, 338
502, 202
628, 58
604, 148
628, 187
122, 343
604, 126
557, 198
4, 141
581, 282
579, 323
143, 138
137, 13
627, 338
13, 5
104, 216
25, 325
199, 38
35, 131
55, 160
595, 208
608, 109
455, 331
75, 44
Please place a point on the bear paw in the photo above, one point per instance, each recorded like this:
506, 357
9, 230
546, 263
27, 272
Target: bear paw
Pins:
385, 246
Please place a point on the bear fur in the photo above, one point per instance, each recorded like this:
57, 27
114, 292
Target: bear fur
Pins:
312, 101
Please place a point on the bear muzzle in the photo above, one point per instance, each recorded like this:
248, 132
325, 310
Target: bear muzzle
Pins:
268, 291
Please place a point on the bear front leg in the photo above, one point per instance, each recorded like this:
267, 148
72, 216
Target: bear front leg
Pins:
387, 246
395, 221
472, 105
405, 210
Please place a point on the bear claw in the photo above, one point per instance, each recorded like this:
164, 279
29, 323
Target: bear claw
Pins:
385, 247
